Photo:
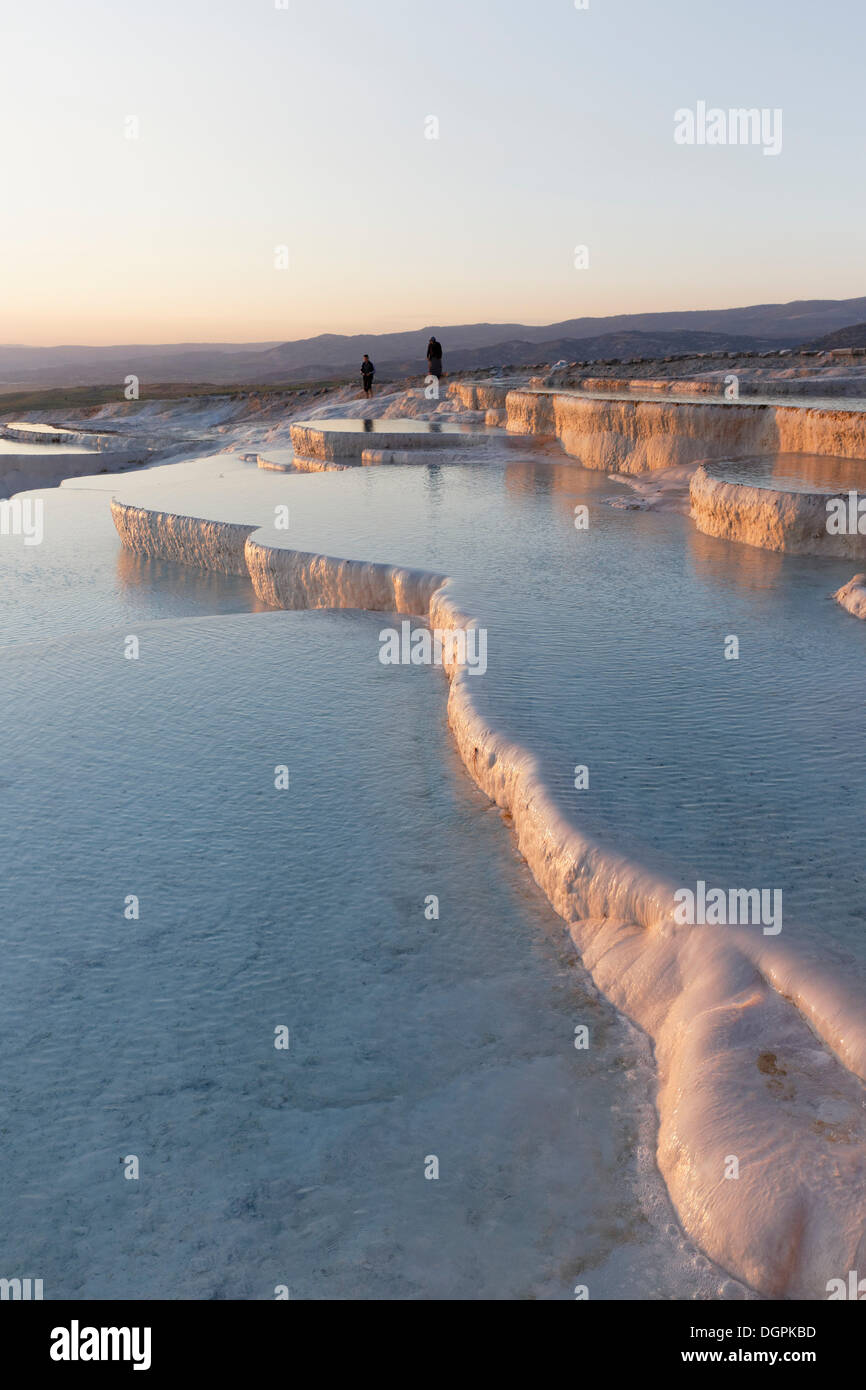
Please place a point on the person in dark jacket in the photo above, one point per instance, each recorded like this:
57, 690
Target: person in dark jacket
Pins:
367, 373
434, 357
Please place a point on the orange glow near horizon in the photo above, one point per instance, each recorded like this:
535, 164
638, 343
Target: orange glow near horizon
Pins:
175, 149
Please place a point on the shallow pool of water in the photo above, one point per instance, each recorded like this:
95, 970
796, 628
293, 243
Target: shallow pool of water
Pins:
55, 451
793, 472
35, 426
606, 648
410, 1036
80, 579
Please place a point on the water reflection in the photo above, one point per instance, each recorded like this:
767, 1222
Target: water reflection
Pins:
53, 451
606, 648
214, 592
366, 425
731, 564
794, 472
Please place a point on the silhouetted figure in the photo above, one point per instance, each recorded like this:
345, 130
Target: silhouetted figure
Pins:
434, 357
367, 374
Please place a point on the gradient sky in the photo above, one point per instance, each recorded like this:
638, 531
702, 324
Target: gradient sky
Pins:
305, 127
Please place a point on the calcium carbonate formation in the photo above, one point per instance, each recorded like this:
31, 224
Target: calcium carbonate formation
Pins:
767, 1184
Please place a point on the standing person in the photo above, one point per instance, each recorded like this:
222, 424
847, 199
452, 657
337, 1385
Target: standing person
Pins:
367, 373
434, 357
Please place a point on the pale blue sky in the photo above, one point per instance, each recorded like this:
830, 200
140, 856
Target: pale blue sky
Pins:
305, 127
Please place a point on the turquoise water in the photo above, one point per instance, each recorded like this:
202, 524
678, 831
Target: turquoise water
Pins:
606, 648
153, 1036
80, 578
410, 1037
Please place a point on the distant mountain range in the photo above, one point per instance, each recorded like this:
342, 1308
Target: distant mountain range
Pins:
329, 355
852, 337
519, 352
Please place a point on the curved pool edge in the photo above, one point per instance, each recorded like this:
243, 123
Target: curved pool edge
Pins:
770, 518
713, 1005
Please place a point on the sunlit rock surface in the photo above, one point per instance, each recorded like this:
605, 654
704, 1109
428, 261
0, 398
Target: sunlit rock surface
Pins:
348, 439
852, 596
636, 436
767, 517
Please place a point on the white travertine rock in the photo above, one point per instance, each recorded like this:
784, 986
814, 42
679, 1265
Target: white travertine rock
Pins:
480, 395
852, 596
734, 1017
56, 437
318, 442
294, 579
634, 436
188, 540
771, 518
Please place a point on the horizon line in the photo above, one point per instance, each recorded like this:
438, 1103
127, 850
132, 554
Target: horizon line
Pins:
422, 328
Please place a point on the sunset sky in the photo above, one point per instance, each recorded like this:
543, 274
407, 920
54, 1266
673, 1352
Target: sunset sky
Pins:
260, 127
